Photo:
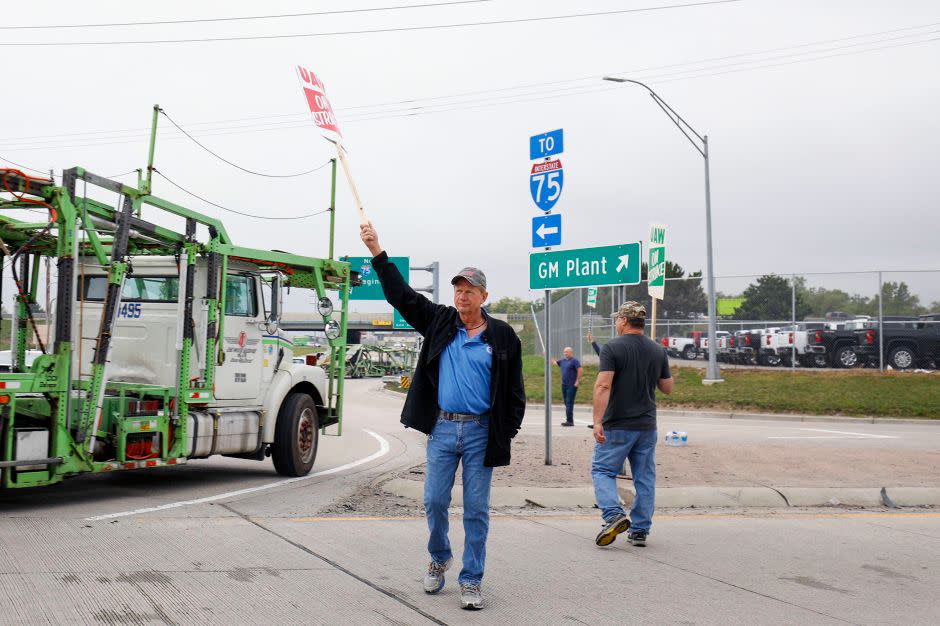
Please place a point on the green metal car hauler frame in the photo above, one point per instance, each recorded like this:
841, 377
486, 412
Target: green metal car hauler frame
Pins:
76, 411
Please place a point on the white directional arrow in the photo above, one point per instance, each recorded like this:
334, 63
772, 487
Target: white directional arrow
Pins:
541, 231
624, 262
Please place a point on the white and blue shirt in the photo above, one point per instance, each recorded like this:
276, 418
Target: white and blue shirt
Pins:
464, 374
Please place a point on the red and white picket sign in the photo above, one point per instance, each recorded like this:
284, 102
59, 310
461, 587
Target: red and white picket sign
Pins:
319, 104
325, 119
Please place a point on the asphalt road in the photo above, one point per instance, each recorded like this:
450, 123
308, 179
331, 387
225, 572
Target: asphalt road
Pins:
226, 541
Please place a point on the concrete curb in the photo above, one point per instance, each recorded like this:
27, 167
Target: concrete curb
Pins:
688, 497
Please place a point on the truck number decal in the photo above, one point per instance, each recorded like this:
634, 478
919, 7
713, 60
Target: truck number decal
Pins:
130, 310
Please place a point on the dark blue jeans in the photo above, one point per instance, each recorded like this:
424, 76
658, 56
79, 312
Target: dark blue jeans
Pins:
451, 443
568, 392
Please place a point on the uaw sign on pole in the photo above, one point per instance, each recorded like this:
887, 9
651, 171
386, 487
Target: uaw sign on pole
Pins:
656, 269
325, 119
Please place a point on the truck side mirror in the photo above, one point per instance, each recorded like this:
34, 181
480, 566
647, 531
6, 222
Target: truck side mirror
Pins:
275, 315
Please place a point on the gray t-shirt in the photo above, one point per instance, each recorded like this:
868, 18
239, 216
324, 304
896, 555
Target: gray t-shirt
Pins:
638, 363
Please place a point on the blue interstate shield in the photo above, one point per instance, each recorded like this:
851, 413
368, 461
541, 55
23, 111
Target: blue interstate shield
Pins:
545, 183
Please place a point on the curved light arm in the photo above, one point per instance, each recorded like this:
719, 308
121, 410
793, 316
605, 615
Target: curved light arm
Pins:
680, 123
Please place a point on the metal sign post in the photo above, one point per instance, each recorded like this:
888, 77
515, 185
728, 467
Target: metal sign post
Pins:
545, 184
548, 377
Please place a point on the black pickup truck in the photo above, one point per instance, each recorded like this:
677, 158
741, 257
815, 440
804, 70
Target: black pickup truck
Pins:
837, 341
908, 342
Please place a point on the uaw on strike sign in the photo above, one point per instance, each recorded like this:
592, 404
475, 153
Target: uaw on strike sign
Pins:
319, 104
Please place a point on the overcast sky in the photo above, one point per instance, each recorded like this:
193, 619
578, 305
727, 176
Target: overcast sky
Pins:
825, 165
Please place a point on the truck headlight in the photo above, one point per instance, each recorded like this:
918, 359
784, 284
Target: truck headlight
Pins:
325, 306
332, 329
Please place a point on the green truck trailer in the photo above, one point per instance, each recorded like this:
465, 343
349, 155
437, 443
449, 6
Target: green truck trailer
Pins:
165, 343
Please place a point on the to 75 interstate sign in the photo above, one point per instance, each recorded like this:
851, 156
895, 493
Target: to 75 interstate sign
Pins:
586, 267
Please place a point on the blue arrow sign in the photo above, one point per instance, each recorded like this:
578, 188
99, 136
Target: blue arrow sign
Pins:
545, 183
546, 231
546, 144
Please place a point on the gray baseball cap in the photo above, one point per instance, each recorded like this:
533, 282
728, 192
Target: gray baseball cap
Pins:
472, 275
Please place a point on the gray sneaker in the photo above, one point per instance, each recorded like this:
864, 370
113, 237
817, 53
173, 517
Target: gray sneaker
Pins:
617, 525
471, 598
434, 579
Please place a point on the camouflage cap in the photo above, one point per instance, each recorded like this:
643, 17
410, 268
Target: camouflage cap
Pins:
472, 275
631, 310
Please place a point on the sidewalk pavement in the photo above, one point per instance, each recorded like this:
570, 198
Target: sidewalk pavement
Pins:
834, 567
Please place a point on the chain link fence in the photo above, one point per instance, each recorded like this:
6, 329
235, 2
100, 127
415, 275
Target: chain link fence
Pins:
886, 320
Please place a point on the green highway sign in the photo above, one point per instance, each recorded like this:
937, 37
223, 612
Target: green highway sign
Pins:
398, 322
586, 267
371, 288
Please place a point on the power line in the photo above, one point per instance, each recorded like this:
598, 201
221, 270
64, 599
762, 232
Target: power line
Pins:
235, 165
25, 167
398, 29
531, 97
418, 101
259, 217
246, 18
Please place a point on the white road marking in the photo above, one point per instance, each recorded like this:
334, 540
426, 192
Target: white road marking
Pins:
382, 451
817, 437
842, 432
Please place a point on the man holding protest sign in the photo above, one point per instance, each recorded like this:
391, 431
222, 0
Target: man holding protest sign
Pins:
468, 397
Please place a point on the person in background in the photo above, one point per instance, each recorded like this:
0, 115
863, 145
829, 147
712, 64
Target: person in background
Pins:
571, 372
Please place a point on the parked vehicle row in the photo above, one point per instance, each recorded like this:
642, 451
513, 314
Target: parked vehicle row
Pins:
908, 342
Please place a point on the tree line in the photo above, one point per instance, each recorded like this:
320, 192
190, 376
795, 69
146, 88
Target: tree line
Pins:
768, 297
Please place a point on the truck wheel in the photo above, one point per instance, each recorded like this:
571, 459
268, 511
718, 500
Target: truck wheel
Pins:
845, 356
902, 358
296, 436
819, 360
688, 353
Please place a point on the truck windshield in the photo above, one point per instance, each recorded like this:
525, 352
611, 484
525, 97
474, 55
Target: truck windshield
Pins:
136, 288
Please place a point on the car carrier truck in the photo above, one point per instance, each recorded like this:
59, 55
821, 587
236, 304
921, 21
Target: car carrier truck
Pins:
166, 344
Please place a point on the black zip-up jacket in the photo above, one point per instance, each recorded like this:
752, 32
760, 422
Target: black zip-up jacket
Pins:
438, 324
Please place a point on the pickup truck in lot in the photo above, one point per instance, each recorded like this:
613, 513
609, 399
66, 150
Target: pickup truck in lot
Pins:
721, 351
685, 347
795, 341
908, 342
837, 341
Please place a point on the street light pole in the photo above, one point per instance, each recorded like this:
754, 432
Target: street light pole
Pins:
712, 372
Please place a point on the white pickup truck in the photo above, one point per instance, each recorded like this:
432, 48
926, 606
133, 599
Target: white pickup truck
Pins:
685, 347
795, 341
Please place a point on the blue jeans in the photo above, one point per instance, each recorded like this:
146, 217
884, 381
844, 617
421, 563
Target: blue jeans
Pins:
639, 446
450, 443
568, 392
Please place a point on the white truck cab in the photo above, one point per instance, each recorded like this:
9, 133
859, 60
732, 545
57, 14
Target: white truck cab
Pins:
258, 387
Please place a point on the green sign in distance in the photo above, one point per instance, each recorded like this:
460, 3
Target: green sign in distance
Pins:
371, 288
656, 273
586, 267
398, 322
592, 297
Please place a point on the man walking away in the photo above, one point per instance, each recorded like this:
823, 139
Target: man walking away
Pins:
571, 372
632, 367
468, 397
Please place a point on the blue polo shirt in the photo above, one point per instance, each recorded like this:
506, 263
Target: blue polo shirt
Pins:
464, 374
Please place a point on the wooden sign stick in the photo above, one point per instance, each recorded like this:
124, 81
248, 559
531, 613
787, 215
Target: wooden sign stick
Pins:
363, 218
